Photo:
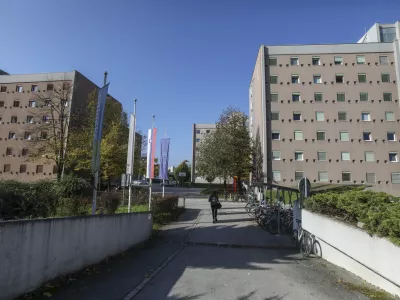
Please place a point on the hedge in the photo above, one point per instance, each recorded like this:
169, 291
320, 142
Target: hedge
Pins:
379, 212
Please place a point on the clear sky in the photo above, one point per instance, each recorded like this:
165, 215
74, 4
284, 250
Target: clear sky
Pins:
184, 60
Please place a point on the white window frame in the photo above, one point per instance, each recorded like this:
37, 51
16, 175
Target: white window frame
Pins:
318, 115
274, 156
395, 177
296, 94
390, 94
370, 136
344, 155
273, 58
276, 175
364, 94
396, 156
275, 132
315, 98
295, 76
324, 135
362, 74
336, 78
297, 113
297, 172
387, 74
369, 156
296, 58
340, 60
273, 76
367, 114
371, 175
345, 112
277, 97
360, 59
299, 134
19, 89
389, 113
394, 136
314, 58
317, 78
326, 156
298, 152
337, 97
346, 172
380, 60
275, 113
32, 103
342, 136
319, 176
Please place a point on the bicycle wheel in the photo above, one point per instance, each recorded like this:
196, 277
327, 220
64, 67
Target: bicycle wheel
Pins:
263, 223
272, 226
295, 238
317, 250
248, 207
305, 245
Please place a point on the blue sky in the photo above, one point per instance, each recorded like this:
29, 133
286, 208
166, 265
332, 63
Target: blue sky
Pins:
185, 61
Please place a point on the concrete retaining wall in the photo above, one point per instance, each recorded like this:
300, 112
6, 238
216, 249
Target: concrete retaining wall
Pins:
374, 259
36, 251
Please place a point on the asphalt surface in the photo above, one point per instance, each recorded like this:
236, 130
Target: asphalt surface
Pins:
181, 191
196, 259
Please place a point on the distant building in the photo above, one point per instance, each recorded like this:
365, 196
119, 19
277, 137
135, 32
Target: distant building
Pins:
199, 132
19, 116
330, 112
171, 169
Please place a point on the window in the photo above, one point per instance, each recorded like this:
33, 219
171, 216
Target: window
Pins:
338, 60
197, 140
317, 97
29, 119
391, 136
274, 97
22, 168
34, 88
25, 151
344, 136
295, 78
275, 115
393, 157
27, 136
387, 96
3, 89
369, 156
339, 78
9, 152
320, 116
346, 176
43, 135
317, 78
362, 77
39, 169
388, 34
14, 119
360, 59
1, 103
389, 116
385, 77
367, 136
32, 103
16, 103
276, 135
323, 176
298, 175
276, 175
365, 116
47, 102
363, 96
340, 97
316, 61
298, 155
296, 97
18, 88
321, 155
320, 135
345, 156
50, 86
197, 131
65, 86
370, 177
276, 155
273, 61
383, 60
294, 61
395, 177
11, 135
296, 116
55, 171
273, 79
7, 168
298, 135
208, 131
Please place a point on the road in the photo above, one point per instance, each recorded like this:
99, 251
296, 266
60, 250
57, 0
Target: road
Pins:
196, 259
182, 191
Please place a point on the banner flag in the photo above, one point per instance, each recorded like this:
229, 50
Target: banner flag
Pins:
148, 165
98, 127
164, 159
153, 151
129, 159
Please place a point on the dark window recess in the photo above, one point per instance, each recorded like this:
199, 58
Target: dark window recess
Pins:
25, 152
39, 169
50, 86
7, 168
3, 89
22, 168
16, 103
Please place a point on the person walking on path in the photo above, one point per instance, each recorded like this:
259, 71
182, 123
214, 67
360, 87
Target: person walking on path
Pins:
215, 205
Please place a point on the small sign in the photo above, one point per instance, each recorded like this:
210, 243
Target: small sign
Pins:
182, 174
304, 187
123, 180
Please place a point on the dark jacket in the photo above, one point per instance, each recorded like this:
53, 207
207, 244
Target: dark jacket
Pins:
213, 199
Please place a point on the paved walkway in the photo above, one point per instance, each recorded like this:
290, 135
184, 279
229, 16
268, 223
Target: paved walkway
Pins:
196, 259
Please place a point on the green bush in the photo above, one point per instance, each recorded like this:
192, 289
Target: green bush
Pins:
164, 209
379, 212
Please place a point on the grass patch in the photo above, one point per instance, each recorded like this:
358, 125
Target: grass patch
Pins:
368, 291
134, 208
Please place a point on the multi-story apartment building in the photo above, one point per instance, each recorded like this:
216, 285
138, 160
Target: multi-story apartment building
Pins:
19, 109
199, 132
330, 112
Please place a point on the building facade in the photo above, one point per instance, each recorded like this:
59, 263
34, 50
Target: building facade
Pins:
330, 112
199, 131
19, 111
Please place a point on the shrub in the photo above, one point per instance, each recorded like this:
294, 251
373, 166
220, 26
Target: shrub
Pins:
70, 185
164, 209
379, 212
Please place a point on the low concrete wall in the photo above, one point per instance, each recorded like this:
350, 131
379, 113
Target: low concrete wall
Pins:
36, 251
374, 259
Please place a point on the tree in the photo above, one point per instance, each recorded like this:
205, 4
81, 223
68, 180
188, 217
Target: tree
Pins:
207, 160
182, 167
257, 158
48, 125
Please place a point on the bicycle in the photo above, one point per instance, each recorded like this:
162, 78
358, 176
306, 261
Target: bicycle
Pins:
307, 241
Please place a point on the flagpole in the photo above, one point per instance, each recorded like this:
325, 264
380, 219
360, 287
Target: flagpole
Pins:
96, 173
133, 157
163, 186
151, 158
